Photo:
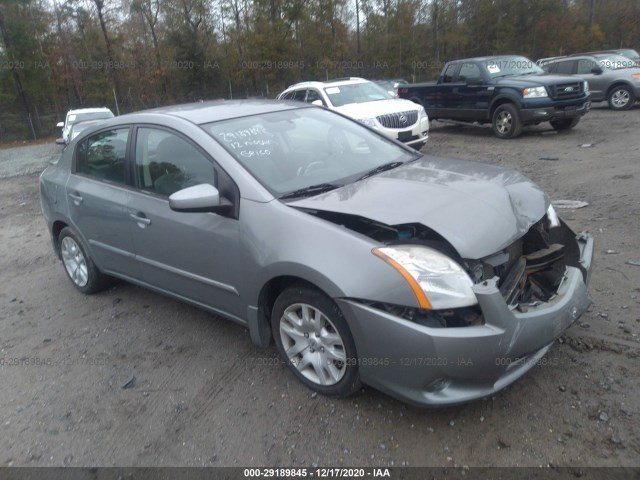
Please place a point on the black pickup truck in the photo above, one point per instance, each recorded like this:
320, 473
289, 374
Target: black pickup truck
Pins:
507, 91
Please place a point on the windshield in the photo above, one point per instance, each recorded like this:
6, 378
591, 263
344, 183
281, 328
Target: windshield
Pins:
356, 93
509, 66
615, 62
290, 150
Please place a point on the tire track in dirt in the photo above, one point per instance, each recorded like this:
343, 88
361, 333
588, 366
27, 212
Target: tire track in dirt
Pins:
204, 400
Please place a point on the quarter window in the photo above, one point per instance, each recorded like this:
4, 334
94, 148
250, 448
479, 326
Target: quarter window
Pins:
102, 155
166, 163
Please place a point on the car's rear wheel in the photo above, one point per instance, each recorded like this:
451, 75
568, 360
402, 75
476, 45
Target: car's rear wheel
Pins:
314, 339
80, 269
565, 123
506, 121
621, 98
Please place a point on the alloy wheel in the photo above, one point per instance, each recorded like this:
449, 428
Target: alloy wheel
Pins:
312, 344
74, 261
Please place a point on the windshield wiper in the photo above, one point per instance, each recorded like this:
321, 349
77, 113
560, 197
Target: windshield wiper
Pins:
379, 169
310, 190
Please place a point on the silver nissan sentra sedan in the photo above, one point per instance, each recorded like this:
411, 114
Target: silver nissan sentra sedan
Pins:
437, 281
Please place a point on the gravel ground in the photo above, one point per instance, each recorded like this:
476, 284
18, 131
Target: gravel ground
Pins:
199, 393
26, 160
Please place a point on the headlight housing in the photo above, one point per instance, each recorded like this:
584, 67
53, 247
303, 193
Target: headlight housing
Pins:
534, 92
437, 281
422, 112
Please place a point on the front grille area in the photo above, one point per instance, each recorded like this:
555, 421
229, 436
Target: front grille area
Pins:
566, 90
398, 120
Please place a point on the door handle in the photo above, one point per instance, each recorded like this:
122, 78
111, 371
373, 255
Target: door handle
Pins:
77, 199
140, 219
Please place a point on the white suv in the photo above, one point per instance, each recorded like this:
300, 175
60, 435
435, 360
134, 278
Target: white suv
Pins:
368, 103
80, 115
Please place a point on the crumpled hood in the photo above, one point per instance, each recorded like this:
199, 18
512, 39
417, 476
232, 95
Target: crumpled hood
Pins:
380, 107
478, 208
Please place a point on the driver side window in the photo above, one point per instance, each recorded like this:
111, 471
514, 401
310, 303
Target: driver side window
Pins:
166, 163
470, 73
313, 95
585, 66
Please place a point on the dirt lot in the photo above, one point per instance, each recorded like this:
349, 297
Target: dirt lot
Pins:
201, 394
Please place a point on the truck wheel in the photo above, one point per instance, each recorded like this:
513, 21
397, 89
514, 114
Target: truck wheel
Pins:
506, 121
621, 98
565, 123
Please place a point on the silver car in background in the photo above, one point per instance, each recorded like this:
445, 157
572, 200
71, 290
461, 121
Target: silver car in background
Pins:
612, 78
437, 281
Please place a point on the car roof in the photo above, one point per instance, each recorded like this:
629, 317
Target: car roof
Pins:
581, 56
88, 123
215, 110
482, 59
89, 110
336, 82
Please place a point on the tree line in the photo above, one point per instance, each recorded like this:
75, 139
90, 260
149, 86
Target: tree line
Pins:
134, 54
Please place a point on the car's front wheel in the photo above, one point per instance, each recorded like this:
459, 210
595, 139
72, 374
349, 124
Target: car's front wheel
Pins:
506, 121
79, 267
621, 98
314, 339
565, 123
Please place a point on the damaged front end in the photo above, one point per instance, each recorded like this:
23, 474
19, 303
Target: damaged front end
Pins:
528, 272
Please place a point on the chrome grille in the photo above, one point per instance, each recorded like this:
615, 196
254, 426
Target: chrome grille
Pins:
566, 90
398, 120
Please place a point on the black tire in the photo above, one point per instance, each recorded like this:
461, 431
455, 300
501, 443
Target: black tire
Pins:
506, 121
78, 265
621, 97
319, 350
565, 123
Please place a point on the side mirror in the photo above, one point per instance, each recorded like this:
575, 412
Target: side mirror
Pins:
60, 141
596, 70
199, 198
60, 125
317, 102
